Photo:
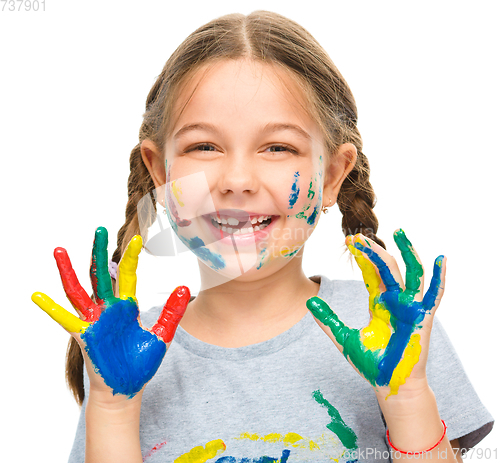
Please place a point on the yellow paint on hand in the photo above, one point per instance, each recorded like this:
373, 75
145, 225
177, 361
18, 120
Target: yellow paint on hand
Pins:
66, 319
202, 454
405, 366
370, 275
177, 191
378, 332
127, 268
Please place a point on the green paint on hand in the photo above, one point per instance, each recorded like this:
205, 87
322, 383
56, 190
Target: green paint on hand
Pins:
365, 360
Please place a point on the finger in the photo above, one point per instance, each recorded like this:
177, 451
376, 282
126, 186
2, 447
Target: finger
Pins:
127, 277
378, 256
321, 310
435, 292
78, 297
371, 278
171, 314
99, 273
67, 320
414, 270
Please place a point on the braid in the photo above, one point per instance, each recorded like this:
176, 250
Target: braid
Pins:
140, 184
356, 201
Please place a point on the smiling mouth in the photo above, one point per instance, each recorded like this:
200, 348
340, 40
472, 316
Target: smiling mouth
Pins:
241, 225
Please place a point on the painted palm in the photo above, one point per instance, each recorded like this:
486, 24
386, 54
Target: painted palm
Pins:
387, 349
122, 352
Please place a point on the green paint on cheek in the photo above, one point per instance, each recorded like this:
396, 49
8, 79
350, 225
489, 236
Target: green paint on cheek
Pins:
310, 192
337, 425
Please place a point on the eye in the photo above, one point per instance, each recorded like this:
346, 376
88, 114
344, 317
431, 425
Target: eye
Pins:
202, 147
282, 149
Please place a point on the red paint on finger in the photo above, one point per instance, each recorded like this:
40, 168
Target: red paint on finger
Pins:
172, 313
76, 294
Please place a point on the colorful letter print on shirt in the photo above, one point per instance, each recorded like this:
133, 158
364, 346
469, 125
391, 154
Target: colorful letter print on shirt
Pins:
338, 443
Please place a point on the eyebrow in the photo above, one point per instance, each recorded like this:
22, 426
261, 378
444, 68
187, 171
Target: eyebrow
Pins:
270, 127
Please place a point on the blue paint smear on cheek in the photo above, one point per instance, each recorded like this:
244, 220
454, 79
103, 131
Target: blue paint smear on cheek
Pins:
312, 218
197, 245
294, 195
124, 354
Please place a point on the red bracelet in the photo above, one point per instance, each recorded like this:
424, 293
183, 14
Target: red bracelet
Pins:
422, 451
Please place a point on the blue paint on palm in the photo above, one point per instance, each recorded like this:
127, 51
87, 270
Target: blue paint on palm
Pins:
294, 195
124, 354
406, 313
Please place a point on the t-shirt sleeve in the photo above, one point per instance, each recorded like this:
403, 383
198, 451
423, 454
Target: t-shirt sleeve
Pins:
466, 418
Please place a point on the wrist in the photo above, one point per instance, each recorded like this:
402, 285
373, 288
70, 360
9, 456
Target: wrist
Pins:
112, 428
412, 419
105, 402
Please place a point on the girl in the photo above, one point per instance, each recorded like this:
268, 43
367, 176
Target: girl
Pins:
253, 131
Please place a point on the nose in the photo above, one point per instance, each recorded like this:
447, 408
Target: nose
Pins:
238, 175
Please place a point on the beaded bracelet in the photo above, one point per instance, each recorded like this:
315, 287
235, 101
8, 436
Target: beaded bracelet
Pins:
422, 451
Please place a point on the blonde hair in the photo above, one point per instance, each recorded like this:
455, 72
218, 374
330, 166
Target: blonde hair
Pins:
275, 40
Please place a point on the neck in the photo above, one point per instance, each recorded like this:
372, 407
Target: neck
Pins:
240, 313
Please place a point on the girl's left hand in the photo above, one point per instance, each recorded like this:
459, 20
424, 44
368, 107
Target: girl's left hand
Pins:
391, 351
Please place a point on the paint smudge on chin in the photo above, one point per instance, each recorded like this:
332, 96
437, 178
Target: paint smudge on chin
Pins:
290, 252
153, 450
196, 244
294, 195
263, 258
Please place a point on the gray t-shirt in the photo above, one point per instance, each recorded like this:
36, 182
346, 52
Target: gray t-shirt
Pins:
292, 398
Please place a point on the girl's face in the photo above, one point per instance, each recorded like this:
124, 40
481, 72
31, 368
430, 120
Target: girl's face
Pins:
244, 169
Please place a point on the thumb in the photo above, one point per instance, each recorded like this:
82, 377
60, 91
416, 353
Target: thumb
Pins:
322, 311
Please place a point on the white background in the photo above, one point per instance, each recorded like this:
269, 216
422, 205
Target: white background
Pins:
73, 85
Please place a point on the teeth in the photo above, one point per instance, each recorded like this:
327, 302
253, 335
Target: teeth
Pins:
256, 224
235, 222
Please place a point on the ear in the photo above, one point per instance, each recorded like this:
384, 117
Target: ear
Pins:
153, 159
337, 170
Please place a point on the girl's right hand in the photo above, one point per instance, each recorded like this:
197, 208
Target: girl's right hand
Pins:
121, 356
